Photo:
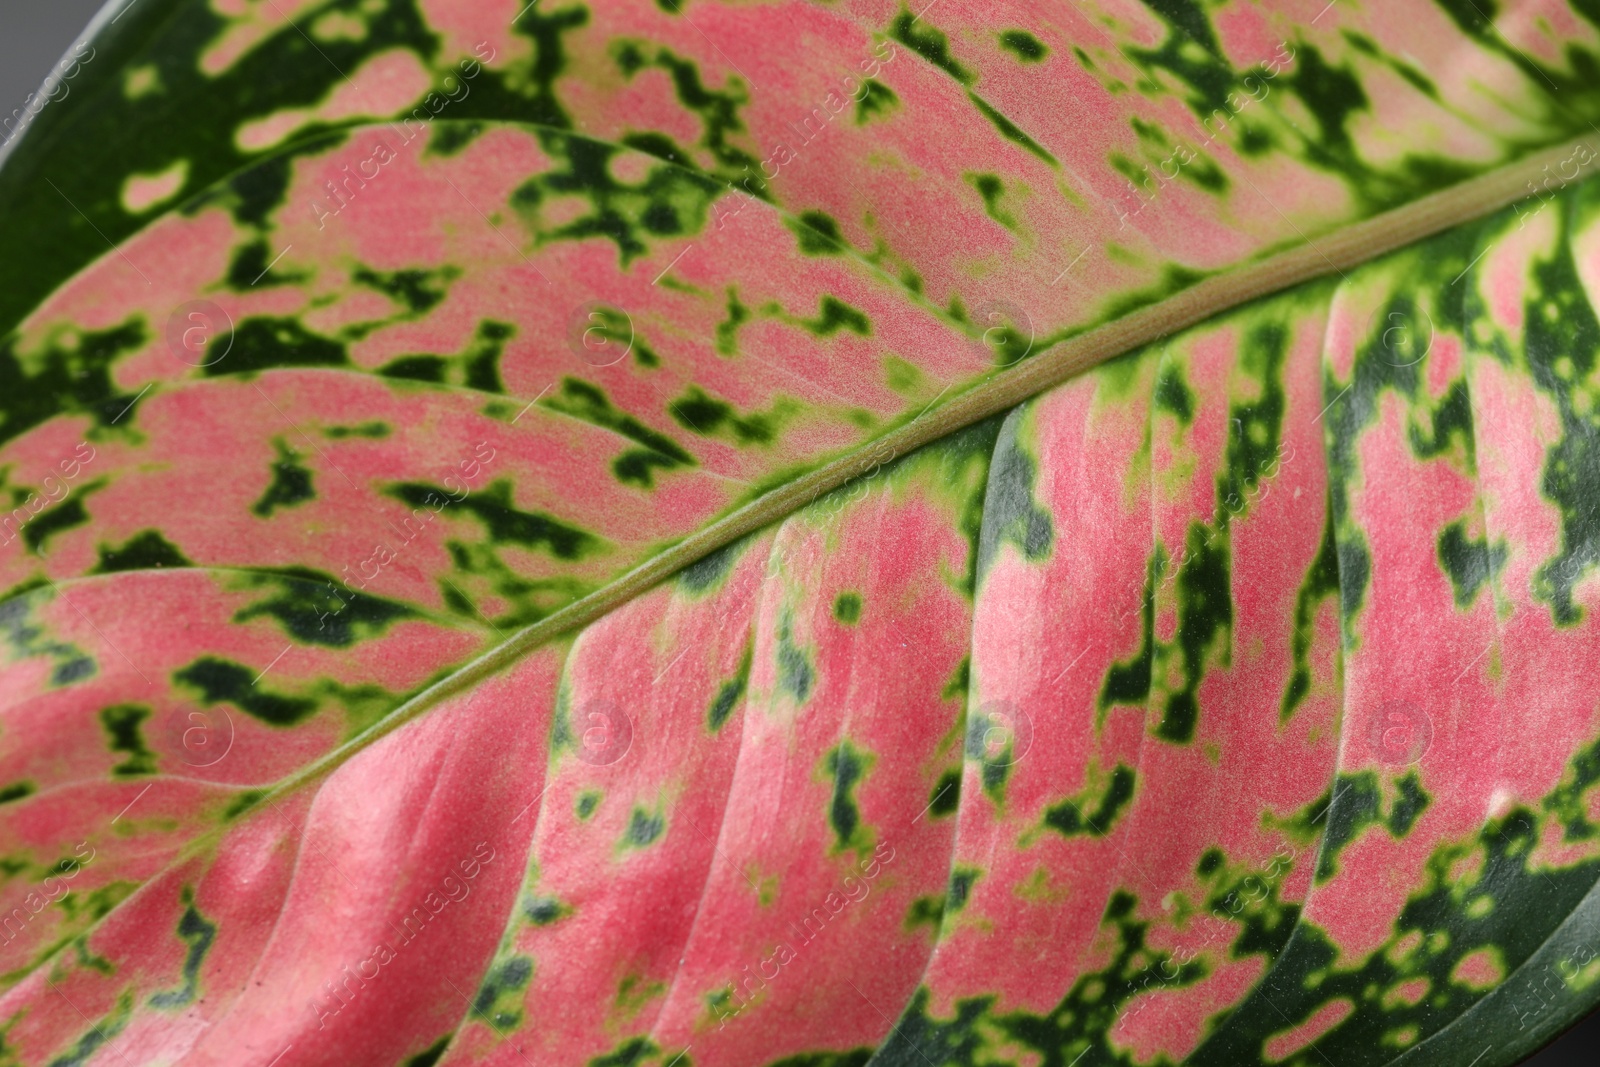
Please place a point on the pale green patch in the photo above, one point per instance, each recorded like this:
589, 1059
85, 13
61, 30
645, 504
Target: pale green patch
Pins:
339, 26
141, 81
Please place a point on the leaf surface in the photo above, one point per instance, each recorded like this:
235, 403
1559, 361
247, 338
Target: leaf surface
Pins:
526, 548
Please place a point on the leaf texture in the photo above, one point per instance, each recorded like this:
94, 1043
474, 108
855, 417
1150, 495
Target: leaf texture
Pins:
1225, 704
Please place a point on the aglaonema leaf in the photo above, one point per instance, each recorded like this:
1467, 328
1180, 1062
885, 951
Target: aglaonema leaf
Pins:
745, 534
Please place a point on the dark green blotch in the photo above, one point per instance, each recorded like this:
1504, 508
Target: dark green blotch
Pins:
415, 368
1321, 581
727, 342
1357, 803
1010, 130
259, 189
219, 680
929, 43
1470, 564
502, 520
249, 267
1024, 45
795, 674
1205, 617
818, 233
505, 980
946, 795
833, 315
991, 189
631, 1053
1172, 394
995, 766
583, 400
145, 550
542, 911
16, 791
1011, 514
122, 723
847, 608
1129, 682
846, 766
242, 803
61, 381
450, 138
1071, 817
315, 610
198, 933
643, 828
961, 882
1452, 423
291, 483
708, 572
654, 143
72, 669
587, 803
373, 430
707, 416
266, 343
876, 99
732, 691
47, 524
481, 361
430, 1056
925, 911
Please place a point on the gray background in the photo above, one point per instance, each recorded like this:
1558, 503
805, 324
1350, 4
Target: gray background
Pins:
35, 33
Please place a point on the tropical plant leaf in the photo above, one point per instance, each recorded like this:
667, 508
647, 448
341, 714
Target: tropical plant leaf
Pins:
617, 563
